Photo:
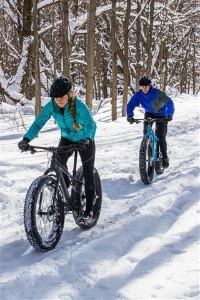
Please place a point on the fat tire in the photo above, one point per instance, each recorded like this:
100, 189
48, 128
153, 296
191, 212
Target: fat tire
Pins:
146, 166
79, 199
55, 218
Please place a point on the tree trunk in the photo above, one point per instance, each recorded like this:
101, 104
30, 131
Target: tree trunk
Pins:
36, 61
194, 73
149, 38
114, 61
105, 78
27, 62
138, 67
90, 53
65, 38
53, 44
126, 58
98, 63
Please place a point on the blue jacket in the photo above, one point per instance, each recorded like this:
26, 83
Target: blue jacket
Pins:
65, 121
155, 102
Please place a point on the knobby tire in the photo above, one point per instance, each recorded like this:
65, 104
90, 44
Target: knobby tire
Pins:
79, 199
146, 165
43, 219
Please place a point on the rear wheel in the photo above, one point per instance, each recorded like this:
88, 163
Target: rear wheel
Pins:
146, 163
79, 199
43, 216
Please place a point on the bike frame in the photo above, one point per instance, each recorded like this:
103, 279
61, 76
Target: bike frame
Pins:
150, 134
60, 170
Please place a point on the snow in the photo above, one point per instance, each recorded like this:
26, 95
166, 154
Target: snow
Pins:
146, 242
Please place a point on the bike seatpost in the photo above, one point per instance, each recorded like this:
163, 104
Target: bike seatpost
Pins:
75, 161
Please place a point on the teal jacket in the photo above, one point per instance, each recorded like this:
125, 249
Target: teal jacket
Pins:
65, 121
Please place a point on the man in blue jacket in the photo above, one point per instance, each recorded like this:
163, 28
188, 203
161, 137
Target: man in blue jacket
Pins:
156, 104
77, 126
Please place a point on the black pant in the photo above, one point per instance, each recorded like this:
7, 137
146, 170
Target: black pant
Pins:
87, 158
161, 133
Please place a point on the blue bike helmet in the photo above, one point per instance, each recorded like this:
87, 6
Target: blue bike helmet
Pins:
60, 87
144, 81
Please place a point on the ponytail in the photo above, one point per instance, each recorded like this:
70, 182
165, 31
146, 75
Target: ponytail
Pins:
72, 95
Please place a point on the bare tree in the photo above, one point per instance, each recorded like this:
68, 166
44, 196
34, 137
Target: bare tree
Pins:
126, 58
150, 37
114, 61
138, 45
90, 53
25, 66
36, 61
65, 37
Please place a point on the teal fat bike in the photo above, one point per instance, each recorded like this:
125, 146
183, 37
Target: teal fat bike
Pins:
150, 155
49, 198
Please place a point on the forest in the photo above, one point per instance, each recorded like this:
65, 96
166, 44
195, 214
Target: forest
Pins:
100, 45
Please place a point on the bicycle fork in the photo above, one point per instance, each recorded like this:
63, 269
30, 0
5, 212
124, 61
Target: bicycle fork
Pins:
153, 140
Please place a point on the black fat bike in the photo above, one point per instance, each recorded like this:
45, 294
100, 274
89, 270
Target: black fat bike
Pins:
49, 199
150, 155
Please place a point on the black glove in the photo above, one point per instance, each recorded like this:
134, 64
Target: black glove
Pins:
169, 118
83, 144
23, 145
130, 120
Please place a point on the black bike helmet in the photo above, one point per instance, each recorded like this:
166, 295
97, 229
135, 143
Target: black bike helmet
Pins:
60, 87
144, 81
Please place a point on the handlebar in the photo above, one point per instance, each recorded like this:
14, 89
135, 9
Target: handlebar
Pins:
70, 148
149, 120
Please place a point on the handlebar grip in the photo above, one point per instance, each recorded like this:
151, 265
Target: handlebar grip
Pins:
137, 121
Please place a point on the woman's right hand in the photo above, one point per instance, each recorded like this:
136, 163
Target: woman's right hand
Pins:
83, 144
23, 145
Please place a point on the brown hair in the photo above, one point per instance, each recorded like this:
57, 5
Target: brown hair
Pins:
72, 95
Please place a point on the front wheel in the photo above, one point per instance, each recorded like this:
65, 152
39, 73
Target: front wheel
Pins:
146, 163
43, 214
79, 199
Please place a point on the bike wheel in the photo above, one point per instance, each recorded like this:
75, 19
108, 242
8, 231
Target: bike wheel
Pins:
43, 216
158, 163
79, 199
146, 163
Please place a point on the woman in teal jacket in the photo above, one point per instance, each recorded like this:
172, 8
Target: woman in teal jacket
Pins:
77, 127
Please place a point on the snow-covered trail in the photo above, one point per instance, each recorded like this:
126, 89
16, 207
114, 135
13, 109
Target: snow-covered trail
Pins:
145, 244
